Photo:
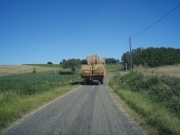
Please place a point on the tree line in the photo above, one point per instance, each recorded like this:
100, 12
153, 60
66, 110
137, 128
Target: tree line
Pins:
152, 57
84, 61
73, 64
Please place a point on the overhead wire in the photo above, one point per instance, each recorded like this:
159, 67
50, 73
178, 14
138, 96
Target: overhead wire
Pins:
156, 22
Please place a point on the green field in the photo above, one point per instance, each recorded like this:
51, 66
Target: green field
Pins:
28, 84
113, 68
21, 93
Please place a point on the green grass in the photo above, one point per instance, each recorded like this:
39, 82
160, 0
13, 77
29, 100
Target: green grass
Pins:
20, 94
46, 65
152, 99
112, 68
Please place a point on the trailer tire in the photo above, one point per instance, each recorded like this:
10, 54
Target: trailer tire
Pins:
102, 82
87, 82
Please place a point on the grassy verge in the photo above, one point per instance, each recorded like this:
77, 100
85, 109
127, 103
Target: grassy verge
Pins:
20, 94
152, 99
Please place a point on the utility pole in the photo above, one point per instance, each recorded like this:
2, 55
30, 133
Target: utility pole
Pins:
130, 52
126, 66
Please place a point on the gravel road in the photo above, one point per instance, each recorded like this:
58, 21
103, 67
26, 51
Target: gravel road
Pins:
86, 110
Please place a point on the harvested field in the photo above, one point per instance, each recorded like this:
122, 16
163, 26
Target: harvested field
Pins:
21, 69
165, 70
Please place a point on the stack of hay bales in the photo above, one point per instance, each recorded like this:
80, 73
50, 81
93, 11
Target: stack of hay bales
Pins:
95, 66
94, 59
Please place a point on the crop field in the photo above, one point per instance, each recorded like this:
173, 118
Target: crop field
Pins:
112, 68
28, 84
22, 69
22, 93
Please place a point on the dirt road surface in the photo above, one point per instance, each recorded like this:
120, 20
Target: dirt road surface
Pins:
88, 110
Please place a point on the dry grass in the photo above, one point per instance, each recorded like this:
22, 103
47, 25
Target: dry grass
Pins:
165, 70
21, 69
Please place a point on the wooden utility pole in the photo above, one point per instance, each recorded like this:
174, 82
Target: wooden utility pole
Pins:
130, 53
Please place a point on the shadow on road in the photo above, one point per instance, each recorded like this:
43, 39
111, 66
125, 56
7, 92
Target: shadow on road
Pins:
84, 83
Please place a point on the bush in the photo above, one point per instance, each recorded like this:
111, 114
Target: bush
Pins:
49, 63
33, 70
65, 72
161, 89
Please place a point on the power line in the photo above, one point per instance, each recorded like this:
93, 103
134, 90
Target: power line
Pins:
156, 21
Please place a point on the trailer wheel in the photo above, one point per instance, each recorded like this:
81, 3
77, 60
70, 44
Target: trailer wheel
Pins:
102, 82
87, 81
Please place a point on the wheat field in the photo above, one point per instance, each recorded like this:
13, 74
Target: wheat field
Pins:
22, 69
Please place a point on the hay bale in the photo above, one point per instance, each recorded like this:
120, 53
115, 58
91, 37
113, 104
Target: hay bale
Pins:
101, 61
93, 59
98, 69
86, 70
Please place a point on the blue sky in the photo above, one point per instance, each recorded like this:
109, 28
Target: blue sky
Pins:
38, 31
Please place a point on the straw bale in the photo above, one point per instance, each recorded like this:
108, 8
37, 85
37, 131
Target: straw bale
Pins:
93, 59
98, 69
101, 61
86, 67
86, 70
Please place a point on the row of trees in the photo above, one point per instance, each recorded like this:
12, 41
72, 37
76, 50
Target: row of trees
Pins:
84, 61
152, 57
111, 60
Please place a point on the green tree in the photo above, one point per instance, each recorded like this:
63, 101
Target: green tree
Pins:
110, 60
84, 61
65, 64
49, 63
74, 64
153, 57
